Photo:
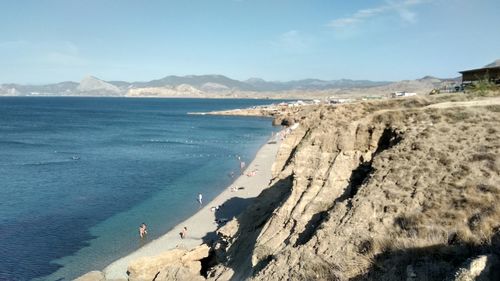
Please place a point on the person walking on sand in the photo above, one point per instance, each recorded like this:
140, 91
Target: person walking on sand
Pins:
183, 232
143, 230
200, 198
242, 167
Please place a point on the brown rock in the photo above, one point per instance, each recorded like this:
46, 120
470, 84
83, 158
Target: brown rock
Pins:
176, 264
172, 273
478, 268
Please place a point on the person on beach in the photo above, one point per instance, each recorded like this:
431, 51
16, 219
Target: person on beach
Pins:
242, 167
143, 230
200, 198
183, 233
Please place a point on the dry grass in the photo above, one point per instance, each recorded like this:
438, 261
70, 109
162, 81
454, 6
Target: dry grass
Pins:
429, 203
391, 104
447, 208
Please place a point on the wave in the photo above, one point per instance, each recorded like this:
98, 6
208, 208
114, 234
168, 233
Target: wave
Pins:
66, 152
199, 141
209, 155
182, 142
15, 142
53, 162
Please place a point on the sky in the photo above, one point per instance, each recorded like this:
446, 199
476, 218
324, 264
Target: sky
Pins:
387, 40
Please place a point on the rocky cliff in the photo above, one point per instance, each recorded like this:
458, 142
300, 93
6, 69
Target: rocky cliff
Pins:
393, 190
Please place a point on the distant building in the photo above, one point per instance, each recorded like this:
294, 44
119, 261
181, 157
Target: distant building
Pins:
297, 103
371, 98
401, 94
338, 101
490, 72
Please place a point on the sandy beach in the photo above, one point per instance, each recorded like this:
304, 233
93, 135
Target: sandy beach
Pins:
202, 225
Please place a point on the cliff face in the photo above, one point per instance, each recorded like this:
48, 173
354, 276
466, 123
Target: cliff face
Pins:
386, 191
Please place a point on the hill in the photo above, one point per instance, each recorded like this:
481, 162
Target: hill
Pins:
93, 85
493, 64
218, 86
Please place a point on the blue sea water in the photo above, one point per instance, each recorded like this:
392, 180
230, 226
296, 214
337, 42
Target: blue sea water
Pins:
78, 175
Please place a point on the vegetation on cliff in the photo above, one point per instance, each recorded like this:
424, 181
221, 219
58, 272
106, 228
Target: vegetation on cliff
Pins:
393, 190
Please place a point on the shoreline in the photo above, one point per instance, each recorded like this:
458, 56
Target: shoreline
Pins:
201, 225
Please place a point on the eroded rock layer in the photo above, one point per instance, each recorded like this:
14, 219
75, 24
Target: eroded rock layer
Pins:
386, 191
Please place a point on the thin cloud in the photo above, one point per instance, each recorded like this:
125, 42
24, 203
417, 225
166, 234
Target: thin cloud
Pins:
402, 8
63, 53
293, 41
51, 53
63, 59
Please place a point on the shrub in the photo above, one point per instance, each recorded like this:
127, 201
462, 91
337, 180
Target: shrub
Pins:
483, 87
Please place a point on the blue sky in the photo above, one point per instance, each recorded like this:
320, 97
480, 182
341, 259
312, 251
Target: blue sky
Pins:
52, 41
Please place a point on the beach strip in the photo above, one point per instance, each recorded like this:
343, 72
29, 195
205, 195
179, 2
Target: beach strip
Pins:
201, 225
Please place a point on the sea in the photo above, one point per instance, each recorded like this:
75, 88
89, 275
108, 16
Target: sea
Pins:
78, 175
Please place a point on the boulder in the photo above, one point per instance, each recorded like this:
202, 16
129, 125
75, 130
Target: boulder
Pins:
176, 264
178, 273
481, 268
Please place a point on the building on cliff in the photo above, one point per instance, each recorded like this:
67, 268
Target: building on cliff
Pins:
491, 73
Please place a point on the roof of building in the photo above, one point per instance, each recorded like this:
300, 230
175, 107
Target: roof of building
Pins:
494, 65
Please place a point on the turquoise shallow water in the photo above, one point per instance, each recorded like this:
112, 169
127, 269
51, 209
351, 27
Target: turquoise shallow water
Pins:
78, 175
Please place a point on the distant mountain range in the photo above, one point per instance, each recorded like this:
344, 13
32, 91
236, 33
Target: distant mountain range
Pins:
221, 86
204, 83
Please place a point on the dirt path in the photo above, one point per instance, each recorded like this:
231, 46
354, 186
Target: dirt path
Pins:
483, 102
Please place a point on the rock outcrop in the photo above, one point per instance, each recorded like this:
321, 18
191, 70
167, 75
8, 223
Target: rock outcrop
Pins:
485, 267
176, 264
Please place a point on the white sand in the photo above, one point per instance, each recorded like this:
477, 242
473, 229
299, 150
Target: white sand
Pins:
203, 222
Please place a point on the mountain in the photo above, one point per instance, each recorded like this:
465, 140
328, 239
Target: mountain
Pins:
220, 82
62, 88
496, 63
222, 86
88, 86
311, 84
91, 84
120, 84
197, 81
